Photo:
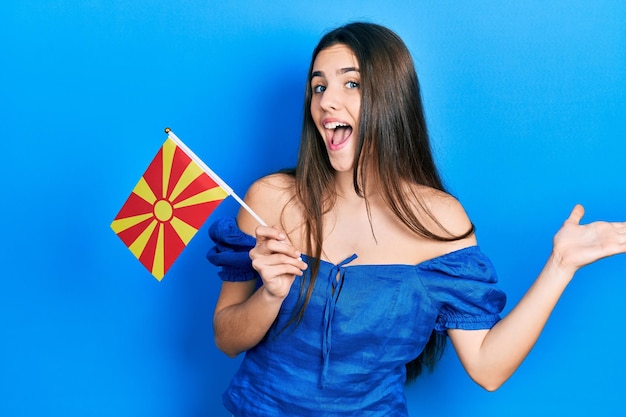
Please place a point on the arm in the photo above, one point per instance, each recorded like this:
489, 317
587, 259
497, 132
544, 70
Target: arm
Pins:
242, 315
491, 356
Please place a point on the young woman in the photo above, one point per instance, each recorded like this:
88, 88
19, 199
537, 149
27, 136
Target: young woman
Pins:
369, 263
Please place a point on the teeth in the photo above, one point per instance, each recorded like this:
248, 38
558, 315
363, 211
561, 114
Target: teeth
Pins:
335, 125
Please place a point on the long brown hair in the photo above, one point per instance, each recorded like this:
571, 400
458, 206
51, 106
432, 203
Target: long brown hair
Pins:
392, 146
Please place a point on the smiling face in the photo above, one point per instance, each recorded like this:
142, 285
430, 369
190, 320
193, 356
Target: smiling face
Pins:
336, 103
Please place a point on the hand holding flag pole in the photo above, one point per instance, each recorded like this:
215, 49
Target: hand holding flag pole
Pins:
171, 201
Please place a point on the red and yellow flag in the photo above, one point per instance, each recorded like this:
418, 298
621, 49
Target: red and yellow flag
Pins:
168, 205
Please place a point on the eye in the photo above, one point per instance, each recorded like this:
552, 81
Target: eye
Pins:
318, 89
352, 84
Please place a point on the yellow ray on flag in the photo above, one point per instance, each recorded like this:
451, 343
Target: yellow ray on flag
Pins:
171, 201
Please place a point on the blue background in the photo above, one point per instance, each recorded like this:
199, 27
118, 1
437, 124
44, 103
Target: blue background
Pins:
526, 103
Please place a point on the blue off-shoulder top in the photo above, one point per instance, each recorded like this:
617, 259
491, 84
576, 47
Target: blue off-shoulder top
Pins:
363, 323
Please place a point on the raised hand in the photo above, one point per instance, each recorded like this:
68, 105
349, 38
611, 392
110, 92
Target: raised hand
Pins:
577, 245
276, 260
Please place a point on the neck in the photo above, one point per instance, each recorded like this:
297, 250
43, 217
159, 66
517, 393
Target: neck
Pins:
344, 186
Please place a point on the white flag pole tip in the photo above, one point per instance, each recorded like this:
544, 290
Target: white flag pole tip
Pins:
213, 175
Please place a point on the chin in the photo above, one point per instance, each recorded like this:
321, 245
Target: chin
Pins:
339, 167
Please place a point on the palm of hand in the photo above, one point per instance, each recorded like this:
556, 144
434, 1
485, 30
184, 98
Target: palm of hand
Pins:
577, 245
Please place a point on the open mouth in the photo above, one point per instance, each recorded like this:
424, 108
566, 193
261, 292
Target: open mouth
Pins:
337, 133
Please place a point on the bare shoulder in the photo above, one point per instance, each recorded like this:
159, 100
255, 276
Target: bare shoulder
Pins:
268, 197
445, 215
271, 187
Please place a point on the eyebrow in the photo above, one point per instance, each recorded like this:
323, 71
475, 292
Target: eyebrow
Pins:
340, 71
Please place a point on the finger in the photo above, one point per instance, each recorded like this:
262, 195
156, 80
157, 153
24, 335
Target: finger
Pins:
275, 258
279, 265
272, 246
282, 246
577, 214
279, 271
267, 232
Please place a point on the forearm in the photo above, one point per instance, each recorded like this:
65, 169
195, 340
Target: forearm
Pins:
491, 356
239, 327
505, 346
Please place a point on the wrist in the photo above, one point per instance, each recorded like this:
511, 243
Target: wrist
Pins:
270, 297
560, 268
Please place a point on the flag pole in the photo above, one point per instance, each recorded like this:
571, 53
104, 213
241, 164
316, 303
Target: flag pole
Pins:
213, 175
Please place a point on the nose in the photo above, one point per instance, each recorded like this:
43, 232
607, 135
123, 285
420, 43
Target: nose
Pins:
330, 99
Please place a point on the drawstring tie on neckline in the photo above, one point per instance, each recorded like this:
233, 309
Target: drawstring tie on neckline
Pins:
333, 288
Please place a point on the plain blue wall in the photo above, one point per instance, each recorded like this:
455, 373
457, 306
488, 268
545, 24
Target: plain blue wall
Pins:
526, 103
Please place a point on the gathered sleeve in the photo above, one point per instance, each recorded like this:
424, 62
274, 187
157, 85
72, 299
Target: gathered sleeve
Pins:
462, 287
230, 251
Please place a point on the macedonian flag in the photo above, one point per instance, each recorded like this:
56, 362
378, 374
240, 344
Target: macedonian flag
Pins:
168, 205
